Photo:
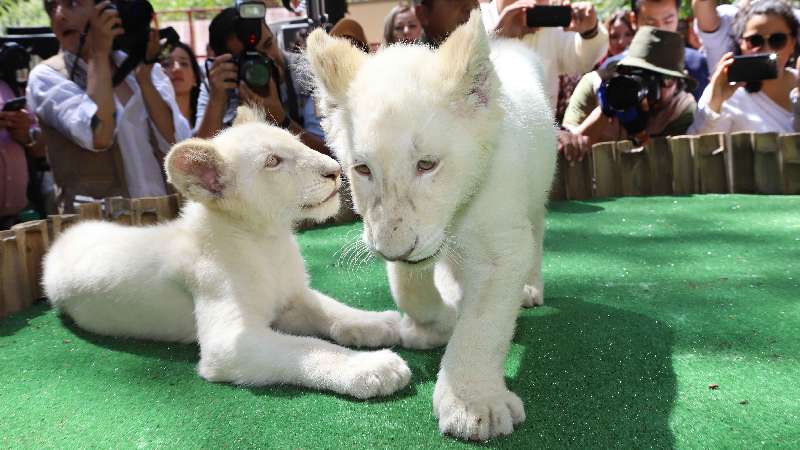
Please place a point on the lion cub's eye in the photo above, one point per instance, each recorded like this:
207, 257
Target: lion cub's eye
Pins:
426, 165
272, 161
363, 169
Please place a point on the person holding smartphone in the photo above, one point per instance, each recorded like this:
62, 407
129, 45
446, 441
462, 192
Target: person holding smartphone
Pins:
19, 138
766, 26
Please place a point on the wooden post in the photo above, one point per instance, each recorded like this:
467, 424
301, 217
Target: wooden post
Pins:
32, 244
557, 191
118, 210
578, 177
683, 170
709, 156
14, 290
741, 155
144, 211
660, 166
634, 165
790, 156
767, 163
605, 168
168, 207
90, 211
61, 222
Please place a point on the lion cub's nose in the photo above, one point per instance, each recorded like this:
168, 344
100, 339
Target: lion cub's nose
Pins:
333, 174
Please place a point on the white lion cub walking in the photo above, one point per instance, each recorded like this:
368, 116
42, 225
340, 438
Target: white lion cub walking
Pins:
229, 273
450, 155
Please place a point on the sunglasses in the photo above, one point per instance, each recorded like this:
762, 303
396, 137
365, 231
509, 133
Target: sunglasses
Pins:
775, 41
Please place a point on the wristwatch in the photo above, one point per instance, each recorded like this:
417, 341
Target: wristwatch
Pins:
33, 134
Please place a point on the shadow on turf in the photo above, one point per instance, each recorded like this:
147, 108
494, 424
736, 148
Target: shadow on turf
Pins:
576, 207
593, 376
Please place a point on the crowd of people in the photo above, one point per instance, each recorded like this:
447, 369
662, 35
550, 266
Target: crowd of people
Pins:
637, 74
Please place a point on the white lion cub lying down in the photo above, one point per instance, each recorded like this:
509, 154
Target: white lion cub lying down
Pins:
229, 273
450, 155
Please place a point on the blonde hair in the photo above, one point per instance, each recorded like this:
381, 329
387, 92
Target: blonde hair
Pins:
388, 23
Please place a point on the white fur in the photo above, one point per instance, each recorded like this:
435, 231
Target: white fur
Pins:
463, 241
229, 273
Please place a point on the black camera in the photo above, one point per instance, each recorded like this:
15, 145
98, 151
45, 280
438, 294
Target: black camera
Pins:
629, 88
254, 68
14, 64
135, 16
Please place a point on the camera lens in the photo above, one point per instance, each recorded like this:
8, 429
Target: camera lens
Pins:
255, 70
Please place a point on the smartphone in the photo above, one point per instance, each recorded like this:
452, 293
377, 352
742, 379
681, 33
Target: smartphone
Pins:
761, 66
549, 16
15, 104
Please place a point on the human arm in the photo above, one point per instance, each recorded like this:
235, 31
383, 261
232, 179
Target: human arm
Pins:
159, 99
705, 13
22, 128
221, 77
104, 26
583, 42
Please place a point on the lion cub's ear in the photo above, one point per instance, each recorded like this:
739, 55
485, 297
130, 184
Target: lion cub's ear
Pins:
334, 63
249, 114
467, 72
195, 168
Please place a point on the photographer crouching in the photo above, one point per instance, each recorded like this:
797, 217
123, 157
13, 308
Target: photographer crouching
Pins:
249, 67
646, 95
18, 133
106, 108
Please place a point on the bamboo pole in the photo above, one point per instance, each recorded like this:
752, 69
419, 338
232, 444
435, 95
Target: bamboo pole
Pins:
767, 164
61, 222
32, 244
14, 289
90, 211
605, 170
144, 211
709, 155
118, 210
683, 167
634, 163
578, 178
742, 160
790, 157
660, 166
557, 190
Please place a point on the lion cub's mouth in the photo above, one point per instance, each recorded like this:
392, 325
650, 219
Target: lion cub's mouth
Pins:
327, 199
426, 259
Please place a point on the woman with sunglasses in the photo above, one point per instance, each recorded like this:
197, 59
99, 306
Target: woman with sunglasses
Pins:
766, 26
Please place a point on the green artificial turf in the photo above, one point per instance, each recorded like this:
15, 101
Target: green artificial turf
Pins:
648, 302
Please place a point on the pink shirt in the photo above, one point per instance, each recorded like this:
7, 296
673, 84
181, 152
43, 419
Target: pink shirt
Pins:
13, 166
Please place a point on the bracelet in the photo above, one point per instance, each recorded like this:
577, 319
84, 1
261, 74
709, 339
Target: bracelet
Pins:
33, 135
591, 33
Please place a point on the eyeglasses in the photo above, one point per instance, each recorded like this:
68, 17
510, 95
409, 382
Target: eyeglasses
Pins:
776, 41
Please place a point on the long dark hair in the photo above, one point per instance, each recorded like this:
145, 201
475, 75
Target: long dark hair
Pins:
198, 75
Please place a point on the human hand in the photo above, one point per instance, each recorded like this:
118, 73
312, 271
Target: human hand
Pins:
512, 22
573, 146
104, 25
144, 70
17, 123
270, 104
222, 76
721, 88
584, 17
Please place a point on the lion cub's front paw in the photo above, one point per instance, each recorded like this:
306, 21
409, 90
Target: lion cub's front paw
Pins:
476, 414
532, 296
372, 374
417, 336
370, 329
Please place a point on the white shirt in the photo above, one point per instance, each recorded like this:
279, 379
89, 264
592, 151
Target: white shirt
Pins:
742, 112
561, 52
67, 107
